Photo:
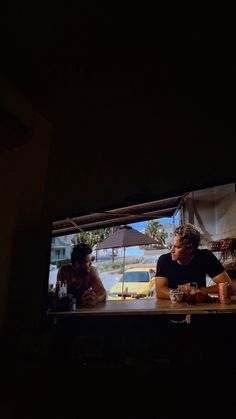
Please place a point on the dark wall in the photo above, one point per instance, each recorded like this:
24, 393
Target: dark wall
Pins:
23, 174
136, 114
138, 110
126, 135
113, 142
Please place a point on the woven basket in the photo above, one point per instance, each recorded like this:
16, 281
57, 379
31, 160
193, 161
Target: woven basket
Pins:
226, 244
214, 246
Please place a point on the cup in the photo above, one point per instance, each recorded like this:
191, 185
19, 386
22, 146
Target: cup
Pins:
191, 293
179, 296
172, 296
176, 296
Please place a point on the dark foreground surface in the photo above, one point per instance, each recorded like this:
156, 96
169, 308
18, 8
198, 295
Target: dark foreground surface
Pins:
129, 367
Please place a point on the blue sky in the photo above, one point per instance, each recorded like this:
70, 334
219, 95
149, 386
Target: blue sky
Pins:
141, 225
135, 251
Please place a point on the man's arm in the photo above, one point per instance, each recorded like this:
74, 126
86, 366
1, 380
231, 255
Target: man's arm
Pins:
222, 277
162, 290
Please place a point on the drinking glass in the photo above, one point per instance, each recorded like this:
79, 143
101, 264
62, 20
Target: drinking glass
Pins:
191, 293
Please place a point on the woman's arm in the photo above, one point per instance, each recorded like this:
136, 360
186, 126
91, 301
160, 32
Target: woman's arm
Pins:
98, 287
96, 292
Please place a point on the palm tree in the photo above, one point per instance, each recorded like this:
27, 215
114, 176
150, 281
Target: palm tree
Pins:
154, 229
94, 237
89, 237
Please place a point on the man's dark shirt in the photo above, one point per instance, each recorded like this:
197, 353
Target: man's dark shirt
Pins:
204, 262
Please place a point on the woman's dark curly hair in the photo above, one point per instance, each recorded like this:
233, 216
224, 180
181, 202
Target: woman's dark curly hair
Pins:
189, 235
79, 252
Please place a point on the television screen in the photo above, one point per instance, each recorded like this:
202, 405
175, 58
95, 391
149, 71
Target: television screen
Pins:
128, 267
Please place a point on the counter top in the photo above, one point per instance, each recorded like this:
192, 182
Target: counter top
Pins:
146, 306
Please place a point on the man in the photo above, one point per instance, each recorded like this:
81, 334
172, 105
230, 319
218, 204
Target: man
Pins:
82, 279
186, 263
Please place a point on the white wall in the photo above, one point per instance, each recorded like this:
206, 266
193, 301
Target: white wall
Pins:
213, 211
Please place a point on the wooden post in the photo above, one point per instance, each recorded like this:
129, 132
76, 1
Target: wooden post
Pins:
112, 250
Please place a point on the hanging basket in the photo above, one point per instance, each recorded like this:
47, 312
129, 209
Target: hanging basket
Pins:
214, 245
227, 244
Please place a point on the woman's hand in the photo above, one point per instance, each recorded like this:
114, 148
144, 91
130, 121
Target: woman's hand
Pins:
89, 298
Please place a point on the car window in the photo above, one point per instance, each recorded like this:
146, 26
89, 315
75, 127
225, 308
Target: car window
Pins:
135, 276
152, 274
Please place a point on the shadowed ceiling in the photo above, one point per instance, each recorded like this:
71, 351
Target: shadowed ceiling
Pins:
164, 61
119, 77
147, 211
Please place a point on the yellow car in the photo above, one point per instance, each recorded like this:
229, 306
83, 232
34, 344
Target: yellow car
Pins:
139, 282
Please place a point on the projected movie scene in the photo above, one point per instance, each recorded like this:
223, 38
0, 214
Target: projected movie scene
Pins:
127, 242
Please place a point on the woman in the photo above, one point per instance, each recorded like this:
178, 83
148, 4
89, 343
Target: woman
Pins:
82, 279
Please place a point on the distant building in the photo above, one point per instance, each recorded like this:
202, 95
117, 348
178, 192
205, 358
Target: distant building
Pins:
61, 248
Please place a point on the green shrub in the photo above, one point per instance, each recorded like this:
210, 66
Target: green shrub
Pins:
109, 266
60, 263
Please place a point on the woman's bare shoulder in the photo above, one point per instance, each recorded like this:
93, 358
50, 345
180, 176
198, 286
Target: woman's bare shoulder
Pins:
65, 271
94, 272
66, 268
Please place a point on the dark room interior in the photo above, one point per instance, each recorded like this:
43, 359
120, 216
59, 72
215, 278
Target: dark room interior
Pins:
104, 108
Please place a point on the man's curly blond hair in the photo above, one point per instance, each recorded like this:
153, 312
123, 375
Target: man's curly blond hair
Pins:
188, 235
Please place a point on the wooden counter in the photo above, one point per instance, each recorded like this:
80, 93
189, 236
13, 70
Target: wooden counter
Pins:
146, 332
147, 306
